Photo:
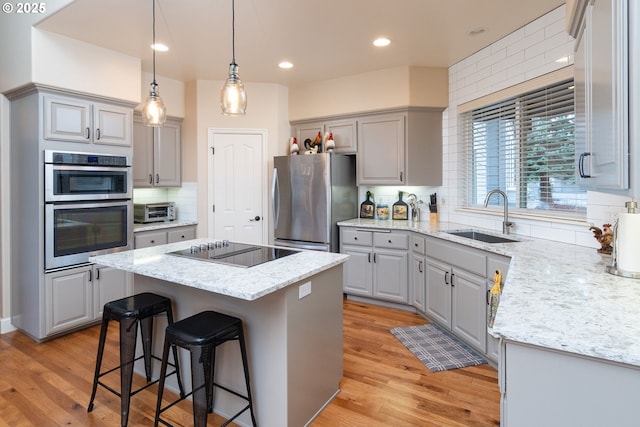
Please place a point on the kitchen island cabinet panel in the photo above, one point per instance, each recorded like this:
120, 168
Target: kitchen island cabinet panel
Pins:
553, 388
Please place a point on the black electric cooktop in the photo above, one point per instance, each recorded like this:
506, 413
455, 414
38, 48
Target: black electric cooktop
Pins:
231, 253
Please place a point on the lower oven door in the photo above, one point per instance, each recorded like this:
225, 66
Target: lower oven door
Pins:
76, 231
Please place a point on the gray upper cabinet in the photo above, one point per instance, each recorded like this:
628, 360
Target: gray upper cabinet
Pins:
602, 96
381, 154
402, 146
156, 154
79, 120
344, 132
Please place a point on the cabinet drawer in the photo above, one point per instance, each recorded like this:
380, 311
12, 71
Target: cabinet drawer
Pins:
417, 244
181, 234
472, 260
356, 237
391, 240
150, 239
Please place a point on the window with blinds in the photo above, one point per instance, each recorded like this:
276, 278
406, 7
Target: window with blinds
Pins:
525, 147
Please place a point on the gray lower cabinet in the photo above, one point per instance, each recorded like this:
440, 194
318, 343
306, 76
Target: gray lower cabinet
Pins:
378, 264
456, 289
76, 297
145, 239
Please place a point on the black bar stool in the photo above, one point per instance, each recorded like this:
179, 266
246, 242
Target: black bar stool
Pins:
139, 308
201, 334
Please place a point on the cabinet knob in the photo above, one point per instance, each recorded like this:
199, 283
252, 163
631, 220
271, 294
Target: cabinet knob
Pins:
355, 238
389, 240
153, 241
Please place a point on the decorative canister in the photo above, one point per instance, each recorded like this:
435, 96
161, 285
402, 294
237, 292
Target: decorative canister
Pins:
382, 211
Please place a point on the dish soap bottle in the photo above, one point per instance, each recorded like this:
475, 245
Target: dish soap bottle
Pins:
400, 208
367, 207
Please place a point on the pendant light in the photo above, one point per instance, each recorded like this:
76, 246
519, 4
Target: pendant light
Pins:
233, 98
154, 113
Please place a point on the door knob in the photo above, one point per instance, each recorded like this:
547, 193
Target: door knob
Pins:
256, 218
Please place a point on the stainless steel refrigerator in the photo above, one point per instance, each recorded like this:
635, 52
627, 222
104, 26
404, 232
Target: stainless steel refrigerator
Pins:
310, 194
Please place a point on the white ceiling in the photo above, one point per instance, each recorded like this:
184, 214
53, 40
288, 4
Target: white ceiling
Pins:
324, 39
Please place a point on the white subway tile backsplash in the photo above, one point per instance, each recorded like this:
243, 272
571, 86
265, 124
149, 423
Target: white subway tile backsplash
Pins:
522, 55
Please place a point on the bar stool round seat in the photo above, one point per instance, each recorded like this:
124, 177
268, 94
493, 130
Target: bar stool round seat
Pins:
129, 312
200, 334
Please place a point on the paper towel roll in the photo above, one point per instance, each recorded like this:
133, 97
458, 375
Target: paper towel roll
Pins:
628, 251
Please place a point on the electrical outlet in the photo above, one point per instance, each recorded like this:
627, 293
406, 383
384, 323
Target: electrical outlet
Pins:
304, 290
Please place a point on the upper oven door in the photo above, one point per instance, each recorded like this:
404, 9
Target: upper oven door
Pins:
67, 183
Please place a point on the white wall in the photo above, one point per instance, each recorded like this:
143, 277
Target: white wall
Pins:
71, 64
15, 43
527, 53
389, 88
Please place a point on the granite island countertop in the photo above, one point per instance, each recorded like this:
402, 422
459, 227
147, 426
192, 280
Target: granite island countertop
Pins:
238, 282
556, 295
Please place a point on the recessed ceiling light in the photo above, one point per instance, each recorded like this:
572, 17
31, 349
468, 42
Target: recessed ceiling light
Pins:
382, 41
285, 64
477, 31
159, 47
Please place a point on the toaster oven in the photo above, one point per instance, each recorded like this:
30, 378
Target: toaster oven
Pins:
154, 212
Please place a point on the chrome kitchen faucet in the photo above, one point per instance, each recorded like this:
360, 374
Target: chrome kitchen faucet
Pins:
506, 224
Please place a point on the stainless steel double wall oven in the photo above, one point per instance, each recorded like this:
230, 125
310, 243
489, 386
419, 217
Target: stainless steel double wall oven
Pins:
88, 206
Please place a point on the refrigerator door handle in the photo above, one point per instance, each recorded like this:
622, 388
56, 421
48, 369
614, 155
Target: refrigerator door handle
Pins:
275, 203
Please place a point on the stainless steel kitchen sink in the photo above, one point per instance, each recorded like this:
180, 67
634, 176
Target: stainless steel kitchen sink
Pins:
483, 237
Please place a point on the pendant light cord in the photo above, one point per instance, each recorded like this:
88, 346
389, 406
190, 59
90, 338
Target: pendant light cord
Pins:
233, 31
154, 42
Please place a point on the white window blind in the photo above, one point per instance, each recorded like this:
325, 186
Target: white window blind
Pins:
525, 147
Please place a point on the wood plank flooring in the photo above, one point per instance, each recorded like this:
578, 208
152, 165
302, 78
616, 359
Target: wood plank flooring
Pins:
49, 384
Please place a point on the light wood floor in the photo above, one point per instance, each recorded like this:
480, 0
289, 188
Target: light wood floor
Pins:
49, 384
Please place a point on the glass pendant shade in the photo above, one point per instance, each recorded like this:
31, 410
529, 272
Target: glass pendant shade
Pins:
233, 97
154, 112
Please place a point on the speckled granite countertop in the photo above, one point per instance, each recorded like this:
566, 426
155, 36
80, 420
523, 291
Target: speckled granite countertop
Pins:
244, 283
162, 225
556, 295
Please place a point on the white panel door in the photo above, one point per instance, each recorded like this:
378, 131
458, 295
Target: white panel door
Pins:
239, 185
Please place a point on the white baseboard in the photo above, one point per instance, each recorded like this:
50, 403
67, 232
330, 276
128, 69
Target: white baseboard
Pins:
6, 326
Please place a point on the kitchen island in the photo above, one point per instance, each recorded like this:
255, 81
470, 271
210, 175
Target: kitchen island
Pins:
292, 312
